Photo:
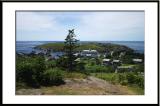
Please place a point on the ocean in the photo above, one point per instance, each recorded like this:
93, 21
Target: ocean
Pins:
28, 46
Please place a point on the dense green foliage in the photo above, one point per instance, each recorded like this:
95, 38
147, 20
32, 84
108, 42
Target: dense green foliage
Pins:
50, 64
52, 77
30, 70
122, 78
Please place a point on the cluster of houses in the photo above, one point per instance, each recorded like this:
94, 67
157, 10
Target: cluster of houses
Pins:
92, 54
109, 62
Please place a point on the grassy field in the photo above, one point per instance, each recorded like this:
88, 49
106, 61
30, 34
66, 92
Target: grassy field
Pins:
115, 79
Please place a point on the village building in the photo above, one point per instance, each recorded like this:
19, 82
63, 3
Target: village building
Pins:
116, 62
121, 54
76, 54
89, 53
106, 61
111, 53
137, 60
77, 60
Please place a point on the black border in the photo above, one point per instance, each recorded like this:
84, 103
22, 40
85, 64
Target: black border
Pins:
80, 0
84, 1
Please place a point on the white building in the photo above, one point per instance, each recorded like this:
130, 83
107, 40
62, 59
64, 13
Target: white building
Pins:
106, 61
116, 62
89, 53
137, 60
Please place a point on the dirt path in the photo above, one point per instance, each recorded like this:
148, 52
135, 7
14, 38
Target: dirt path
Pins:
88, 86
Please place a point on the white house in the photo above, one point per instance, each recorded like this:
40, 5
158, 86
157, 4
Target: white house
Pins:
116, 62
137, 60
89, 53
106, 61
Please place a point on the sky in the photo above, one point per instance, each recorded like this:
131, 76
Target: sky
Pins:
88, 26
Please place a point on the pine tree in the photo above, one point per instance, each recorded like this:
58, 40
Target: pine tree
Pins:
70, 45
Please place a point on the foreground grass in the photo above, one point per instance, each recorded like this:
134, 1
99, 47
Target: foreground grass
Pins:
74, 75
105, 76
112, 78
136, 89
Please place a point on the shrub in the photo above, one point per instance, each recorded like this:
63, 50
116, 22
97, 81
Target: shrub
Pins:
139, 68
52, 77
74, 75
131, 77
122, 78
140, 81
50, 64
80, 66
29, 70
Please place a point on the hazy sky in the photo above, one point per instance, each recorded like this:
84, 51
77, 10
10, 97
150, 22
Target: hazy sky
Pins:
89, 26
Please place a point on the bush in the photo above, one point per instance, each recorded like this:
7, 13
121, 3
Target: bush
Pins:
80, 66
52, 77
134, 79
140, 81
121, 78
139, 68
62, 62
50, 64
29, 70
131, 77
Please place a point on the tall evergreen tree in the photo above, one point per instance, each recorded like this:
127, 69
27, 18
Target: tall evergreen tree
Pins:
70, 45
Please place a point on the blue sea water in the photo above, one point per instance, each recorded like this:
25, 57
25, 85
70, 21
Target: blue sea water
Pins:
28, 46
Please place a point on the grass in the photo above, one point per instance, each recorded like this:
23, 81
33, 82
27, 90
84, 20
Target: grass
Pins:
136, 89
112, 78
104, 76
57, 91
128, 65
74, 75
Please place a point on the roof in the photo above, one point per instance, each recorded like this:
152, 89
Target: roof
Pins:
78, 59
89, 51
116, 61
93, 50
86, 50
106, 59
76, 54
137, 60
